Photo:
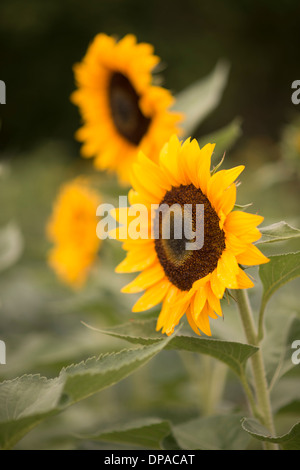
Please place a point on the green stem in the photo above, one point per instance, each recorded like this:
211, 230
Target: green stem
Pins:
260, 333
259, 375
250, 397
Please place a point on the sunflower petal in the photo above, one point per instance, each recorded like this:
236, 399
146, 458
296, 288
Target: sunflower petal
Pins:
168, 160
239, 222
213, 301
228, 269
168, 302
191, 321
153, 296
217, 286
244, 282
137, 260
204, 164
203, 320
145, 279
198, 302
252, 256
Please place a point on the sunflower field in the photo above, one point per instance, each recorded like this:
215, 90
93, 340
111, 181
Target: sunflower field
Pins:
149, 228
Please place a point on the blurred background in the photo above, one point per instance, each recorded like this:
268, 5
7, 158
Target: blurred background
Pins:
40, 319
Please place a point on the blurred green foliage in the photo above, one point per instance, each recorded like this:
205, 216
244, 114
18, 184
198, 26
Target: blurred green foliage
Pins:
40, 42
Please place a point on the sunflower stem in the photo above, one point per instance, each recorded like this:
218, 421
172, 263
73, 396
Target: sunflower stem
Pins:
263, 408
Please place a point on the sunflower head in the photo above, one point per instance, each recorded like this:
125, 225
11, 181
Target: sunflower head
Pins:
188, 279
72, 230
122, 111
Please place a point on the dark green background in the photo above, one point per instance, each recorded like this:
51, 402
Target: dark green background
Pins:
41, 40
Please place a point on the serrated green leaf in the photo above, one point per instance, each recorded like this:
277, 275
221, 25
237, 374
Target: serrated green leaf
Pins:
280, 270
212, 433
224, 138
289, 441
147, 433
234, 354
28, 400
278, 232
201, 98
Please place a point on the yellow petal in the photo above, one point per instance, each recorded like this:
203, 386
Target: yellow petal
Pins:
145, 279
251, 236
198, 302
228, 269
222, 179
203, 321
137, 260
252, 257
142, 187
227, 201
149, 182
136, 198
213, 301
175, 314
169, 300
191, 321
168, 161
201, 282
239, 222
153, 172
234, 243
244, 282
153, 296
185, 158
218, 287
204, 164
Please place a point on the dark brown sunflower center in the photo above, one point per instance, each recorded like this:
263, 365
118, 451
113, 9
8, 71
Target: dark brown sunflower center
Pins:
184, 266
126, 114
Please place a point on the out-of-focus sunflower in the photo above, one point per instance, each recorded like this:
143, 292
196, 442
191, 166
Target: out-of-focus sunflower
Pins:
188, 281
72, 230
122, 111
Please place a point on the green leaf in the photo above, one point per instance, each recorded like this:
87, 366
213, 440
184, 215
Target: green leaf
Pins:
147, 433
234, 354
280, 270
276, 347
212, 433
289, 441
285, 396
224, 138
11, 245
201, 98
278, 232
28, 400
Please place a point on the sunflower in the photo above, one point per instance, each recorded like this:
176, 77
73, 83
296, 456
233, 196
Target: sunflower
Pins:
122, 111
188, 281
72, 230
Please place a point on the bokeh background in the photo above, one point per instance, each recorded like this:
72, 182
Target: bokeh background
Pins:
40, 319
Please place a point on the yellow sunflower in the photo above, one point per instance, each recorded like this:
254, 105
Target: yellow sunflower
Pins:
72, 230
122, 111
190, 282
